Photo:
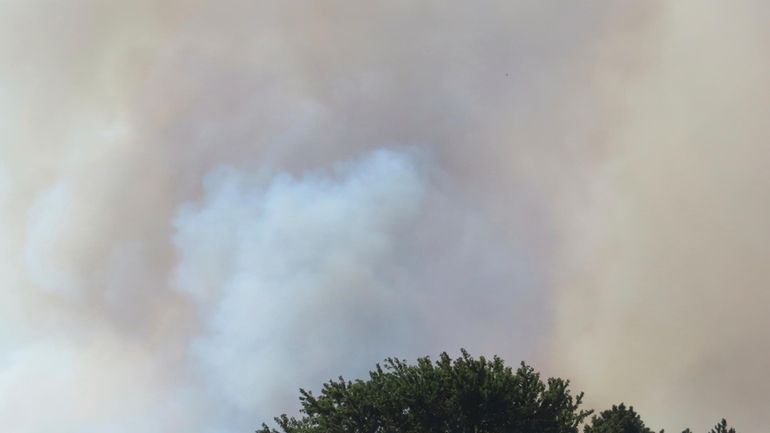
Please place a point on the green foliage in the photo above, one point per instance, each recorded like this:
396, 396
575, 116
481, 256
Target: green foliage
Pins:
465, 395
622, 419
722, 427
619, 419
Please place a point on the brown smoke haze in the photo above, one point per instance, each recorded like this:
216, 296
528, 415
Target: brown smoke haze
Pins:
205, 205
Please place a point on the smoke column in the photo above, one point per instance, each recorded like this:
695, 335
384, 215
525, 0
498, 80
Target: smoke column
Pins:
205, 205
665, 302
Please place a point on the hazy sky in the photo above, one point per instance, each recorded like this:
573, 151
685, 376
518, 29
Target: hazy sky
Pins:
205, 205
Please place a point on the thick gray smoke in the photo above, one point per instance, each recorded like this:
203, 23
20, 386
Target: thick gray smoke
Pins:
665, 300
205, 205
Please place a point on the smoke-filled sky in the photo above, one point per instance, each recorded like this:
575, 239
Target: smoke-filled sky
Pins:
205, 205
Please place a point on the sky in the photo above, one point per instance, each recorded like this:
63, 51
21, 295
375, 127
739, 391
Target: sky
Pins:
206, 205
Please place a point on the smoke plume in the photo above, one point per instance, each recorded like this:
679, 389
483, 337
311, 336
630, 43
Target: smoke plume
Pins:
205, 205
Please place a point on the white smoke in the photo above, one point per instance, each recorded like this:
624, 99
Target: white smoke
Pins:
294, 276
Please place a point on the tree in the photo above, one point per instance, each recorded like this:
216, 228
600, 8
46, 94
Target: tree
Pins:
722, 427
619, 419
464, 395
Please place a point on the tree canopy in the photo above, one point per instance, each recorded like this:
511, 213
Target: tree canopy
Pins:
462, 395
619, 419
722, 427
